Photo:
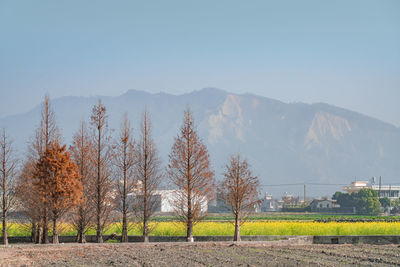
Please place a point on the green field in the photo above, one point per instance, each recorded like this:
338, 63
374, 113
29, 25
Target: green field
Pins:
278, 216
208, 228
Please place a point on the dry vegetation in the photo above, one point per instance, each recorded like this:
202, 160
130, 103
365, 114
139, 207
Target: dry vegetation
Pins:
200, 254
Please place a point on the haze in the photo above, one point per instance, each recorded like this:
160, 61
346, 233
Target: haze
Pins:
346, 53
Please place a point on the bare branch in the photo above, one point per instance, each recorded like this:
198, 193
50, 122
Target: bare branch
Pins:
239, 189
190, 172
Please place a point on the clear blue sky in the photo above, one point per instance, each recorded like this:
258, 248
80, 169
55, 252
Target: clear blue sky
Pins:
345, 53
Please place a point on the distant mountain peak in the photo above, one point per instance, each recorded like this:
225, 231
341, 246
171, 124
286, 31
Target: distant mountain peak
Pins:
284, 142
208, 90
228, 118
135, 92
326, 126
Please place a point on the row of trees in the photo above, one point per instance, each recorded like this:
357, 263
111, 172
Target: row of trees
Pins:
365, 201
97, 175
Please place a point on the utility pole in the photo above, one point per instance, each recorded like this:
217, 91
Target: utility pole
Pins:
380, 184
304, 194
390, 202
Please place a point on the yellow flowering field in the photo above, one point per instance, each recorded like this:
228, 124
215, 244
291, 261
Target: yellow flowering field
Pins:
249, 228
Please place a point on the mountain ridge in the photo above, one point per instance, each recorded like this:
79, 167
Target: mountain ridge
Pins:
285, 142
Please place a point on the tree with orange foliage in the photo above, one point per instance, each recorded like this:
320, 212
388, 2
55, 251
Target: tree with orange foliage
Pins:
45, 134
190, 173
58, 182
28, 197
239, 189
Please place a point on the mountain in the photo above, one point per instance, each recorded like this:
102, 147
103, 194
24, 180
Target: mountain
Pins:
285, 143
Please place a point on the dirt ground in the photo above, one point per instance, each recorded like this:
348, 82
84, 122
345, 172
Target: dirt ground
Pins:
200, 254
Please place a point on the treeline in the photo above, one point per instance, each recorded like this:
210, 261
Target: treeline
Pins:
365, 201
99, 174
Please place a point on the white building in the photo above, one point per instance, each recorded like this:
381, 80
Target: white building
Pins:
356, 186
166, 200
390, 191
268, 203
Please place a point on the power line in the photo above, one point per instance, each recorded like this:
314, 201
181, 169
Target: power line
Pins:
301, 184
280, 184
326, 184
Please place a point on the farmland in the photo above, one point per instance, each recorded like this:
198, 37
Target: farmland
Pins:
217, 228
284, 216
200, 254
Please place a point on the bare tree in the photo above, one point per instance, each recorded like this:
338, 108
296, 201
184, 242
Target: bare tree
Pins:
147, 175
239, 189
101, 162
190, 172
124, 162
8, 171
81, 153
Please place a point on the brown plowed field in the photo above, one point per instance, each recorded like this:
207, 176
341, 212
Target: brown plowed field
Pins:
200, 254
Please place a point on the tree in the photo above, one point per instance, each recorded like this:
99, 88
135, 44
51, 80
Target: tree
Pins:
190, 173
101, 163
147, 175
385, 202
396, 206
45, 134
124, 161
81, 153
8, 168
28, 197
58, 182
239, 189
367, 202
343, 199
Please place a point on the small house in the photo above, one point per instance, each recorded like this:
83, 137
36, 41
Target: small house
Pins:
322, 204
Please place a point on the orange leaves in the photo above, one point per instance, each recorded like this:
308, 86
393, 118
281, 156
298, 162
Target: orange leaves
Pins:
57, 179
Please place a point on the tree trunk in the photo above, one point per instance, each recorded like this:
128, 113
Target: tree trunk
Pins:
124, 228
39, 234
55, 231
189, 235
4, 208
145, 230
81, 237
99, 236
189, 232
236, 237
4, 232
45, 238
145, 217
124, 237
33, 232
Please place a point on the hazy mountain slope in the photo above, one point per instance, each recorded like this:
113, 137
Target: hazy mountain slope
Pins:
285, 143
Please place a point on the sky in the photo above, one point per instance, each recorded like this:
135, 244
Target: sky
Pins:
345, 53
